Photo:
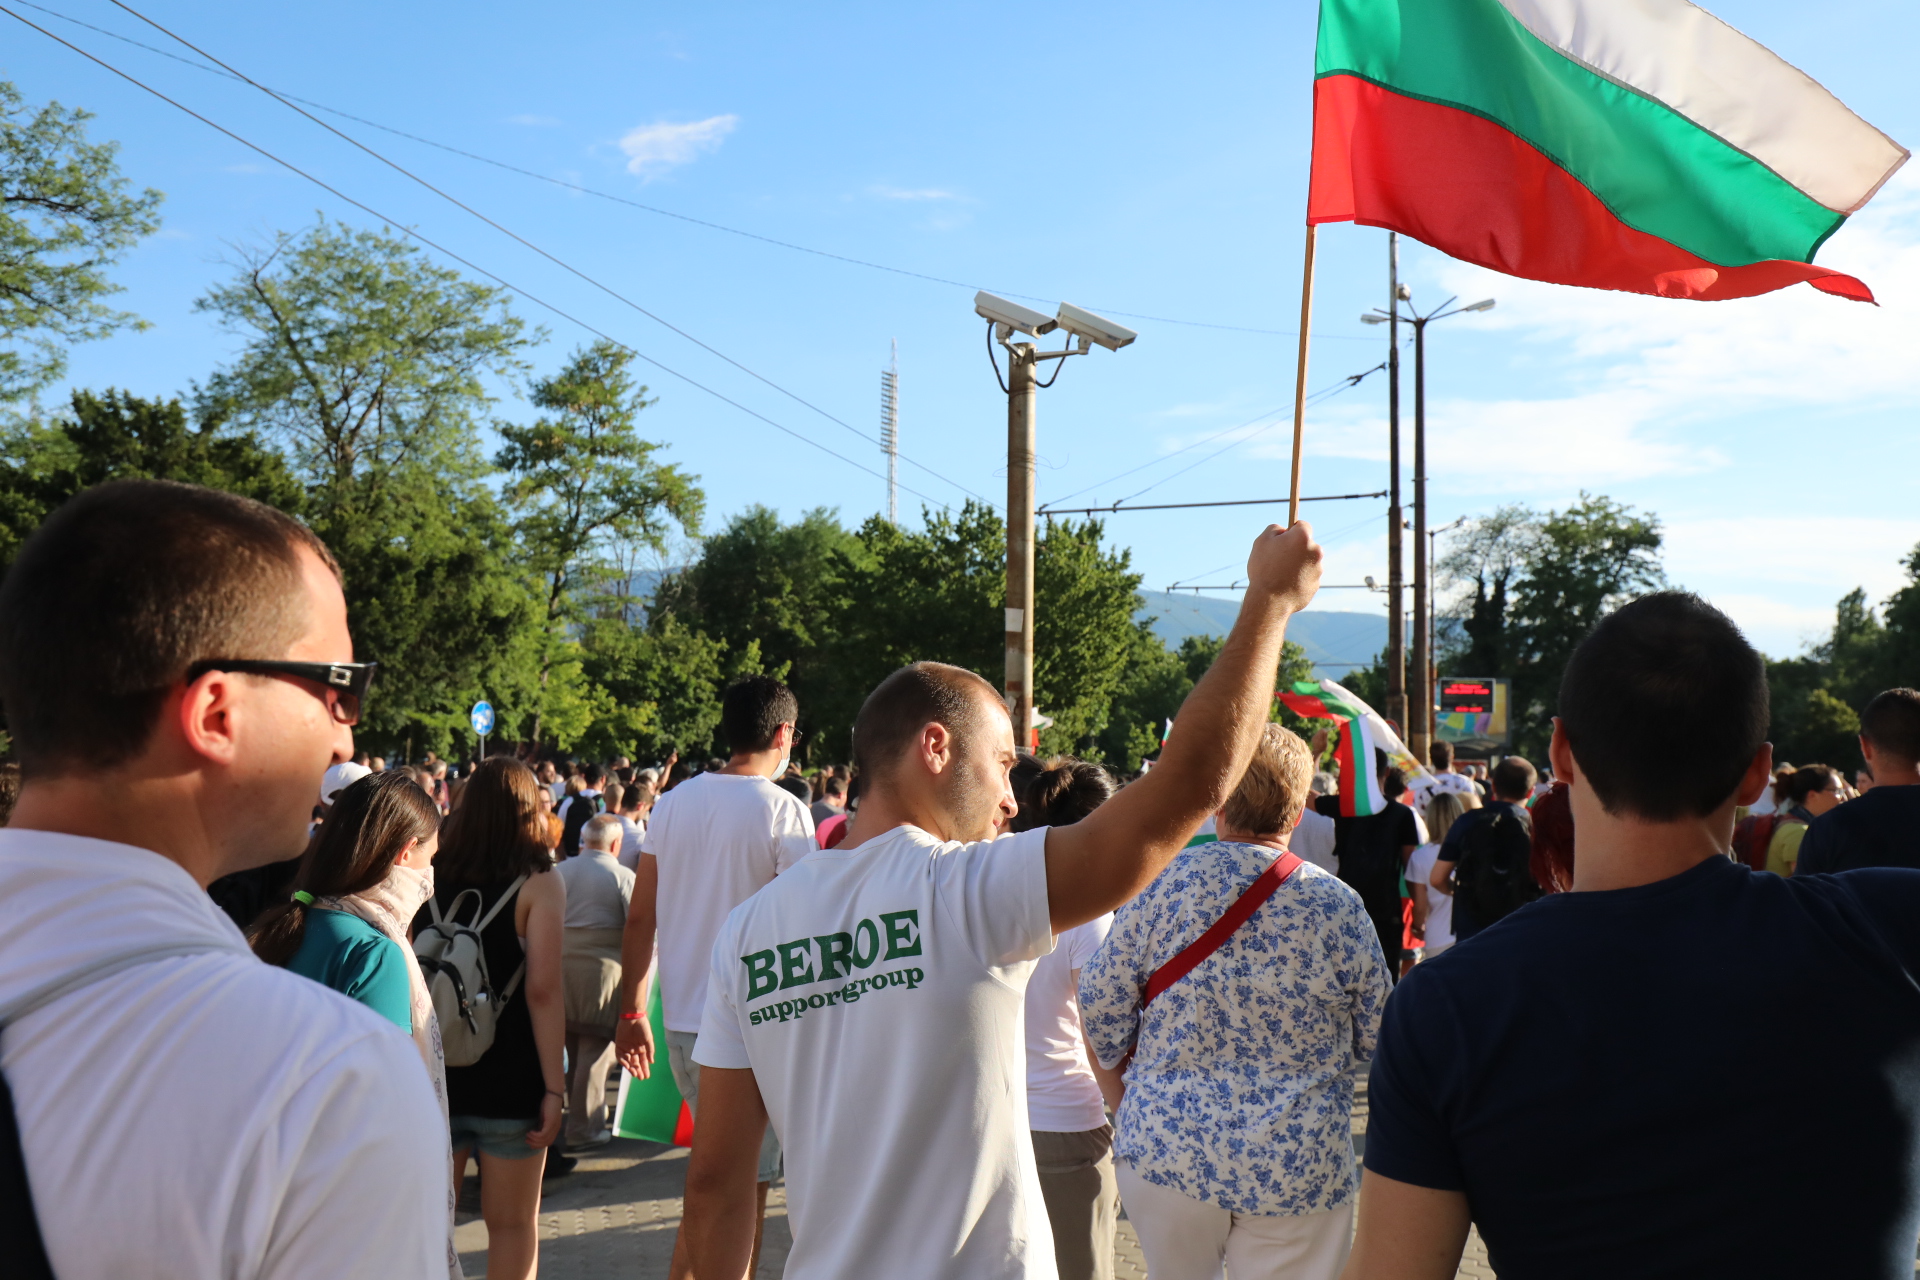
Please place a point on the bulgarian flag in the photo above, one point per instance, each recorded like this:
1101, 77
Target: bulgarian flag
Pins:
1640, 145
1360, 793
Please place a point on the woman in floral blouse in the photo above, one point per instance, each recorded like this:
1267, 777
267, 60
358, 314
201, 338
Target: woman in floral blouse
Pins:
1234, 1135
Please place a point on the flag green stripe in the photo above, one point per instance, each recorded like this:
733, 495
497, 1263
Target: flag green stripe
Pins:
1657, 171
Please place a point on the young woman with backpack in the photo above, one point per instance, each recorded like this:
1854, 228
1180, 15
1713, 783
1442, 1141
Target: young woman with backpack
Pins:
505, 1106
1800, 797
345, 925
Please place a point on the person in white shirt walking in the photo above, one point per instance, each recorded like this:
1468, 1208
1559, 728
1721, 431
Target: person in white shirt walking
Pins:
1067, 1090
598, 892
711, 843
870, 1001
178, 673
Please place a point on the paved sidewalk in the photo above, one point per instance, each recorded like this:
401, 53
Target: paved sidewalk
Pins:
616, 1214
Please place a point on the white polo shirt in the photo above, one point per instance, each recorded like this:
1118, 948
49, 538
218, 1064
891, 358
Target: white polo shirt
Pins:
878, 995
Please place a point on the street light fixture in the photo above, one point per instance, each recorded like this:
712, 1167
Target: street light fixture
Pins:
1004, 319
1420, 726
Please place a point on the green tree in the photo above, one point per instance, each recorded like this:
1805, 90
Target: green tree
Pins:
65, 217
584, 486
661, 686
1584, 562
117, 436
365, 362
758, 581
1085, 597
1484, 560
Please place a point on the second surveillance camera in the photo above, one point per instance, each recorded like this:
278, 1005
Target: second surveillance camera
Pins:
1012, 314
1085, 324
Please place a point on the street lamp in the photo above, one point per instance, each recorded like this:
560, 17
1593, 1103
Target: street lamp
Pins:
1420, 728
1004, 319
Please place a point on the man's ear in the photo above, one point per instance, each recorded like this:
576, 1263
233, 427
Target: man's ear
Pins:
936, 747
1560, 754
1759, 772
1866, 751
203, 715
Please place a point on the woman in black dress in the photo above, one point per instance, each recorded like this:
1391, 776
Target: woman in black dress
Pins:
506, 1106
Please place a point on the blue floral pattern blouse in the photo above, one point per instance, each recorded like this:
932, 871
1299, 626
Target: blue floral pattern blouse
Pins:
1239, 1092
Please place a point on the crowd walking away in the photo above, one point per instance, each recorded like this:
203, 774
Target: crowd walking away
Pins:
974, 1008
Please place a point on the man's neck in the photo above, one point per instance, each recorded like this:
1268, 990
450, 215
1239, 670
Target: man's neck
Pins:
746, 764
159, 814
1233, 835
883, 809
1887, 776
1614, 852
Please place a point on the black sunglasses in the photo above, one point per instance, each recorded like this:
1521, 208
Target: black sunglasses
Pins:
346, 682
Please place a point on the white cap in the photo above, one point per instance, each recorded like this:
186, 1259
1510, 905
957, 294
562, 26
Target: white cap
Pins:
339, 778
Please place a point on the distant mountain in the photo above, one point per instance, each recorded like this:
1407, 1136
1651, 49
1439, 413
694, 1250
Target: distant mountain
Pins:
1338, 643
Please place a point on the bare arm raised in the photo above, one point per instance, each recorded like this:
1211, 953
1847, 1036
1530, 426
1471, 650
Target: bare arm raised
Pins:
1108, 857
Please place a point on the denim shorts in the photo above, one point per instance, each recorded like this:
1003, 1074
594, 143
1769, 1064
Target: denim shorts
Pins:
503, 1139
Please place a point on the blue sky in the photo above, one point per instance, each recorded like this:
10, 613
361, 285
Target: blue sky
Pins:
1126, 158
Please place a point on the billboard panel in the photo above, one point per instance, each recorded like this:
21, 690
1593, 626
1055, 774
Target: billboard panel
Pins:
1472, 712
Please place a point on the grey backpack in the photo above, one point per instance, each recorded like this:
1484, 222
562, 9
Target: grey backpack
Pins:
453, 959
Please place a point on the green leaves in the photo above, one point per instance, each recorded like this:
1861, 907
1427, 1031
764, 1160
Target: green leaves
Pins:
65, 217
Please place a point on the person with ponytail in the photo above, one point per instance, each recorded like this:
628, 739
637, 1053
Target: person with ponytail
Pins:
368, 870
1067, 1091
1800, 797
346, 925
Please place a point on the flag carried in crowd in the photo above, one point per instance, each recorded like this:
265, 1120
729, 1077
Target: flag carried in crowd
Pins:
1363, 732
1640, 145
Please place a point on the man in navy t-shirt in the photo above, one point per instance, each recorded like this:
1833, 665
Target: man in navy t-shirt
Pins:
1682, 1068
1882, 827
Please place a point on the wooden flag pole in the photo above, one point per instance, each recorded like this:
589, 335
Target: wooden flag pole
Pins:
1300, 380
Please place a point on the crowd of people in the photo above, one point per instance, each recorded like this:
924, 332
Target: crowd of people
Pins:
966, 1002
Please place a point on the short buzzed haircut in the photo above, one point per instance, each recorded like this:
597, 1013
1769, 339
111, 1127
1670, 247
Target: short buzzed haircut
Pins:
123, 589
1440, 754
602, 831
594, 775
913, 697
1513, 778
752, 711
1891, 723
1667, 660
1273, 791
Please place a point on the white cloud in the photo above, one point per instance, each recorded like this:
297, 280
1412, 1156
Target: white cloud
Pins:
652, 148
920, 193
1834, 553
534, 122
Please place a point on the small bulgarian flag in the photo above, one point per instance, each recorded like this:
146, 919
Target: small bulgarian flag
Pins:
1360, 794
1639, 145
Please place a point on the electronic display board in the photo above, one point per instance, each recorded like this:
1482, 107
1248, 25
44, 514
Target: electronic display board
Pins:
1472, 712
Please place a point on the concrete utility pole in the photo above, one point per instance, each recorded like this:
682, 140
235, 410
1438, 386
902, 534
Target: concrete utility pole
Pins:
1004, 320
1021, 392
1396, 579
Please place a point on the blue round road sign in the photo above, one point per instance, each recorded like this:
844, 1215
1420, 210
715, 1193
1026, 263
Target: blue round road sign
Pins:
482, 716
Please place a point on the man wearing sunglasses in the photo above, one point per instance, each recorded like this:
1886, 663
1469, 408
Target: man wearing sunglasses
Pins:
177, 674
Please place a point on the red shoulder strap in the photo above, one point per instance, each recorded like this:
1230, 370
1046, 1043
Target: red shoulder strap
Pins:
1214, 938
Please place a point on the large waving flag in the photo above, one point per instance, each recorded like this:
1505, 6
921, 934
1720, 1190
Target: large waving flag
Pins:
1640, 145
1362, 732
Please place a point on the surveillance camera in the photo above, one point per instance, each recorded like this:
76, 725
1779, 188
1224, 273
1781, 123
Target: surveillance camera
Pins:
1093, 328
1012, 314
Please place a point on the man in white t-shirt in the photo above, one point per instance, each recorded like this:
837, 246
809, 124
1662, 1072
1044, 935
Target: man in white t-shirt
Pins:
711, 843
178, 675
870, 1000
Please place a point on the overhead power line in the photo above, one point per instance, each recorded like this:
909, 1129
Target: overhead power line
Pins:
655, 209
1177, 506
463, 261
522, 240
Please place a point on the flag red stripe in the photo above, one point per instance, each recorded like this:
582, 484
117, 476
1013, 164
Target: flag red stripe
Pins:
1472, 189
1352, 781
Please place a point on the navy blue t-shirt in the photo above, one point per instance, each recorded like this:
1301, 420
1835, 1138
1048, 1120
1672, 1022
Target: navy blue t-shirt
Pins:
1880, 829
1714, 1075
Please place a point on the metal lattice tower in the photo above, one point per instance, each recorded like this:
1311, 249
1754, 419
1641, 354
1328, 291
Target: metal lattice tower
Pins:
890, 431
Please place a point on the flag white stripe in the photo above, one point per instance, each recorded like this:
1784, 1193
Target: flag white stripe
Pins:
1730, 85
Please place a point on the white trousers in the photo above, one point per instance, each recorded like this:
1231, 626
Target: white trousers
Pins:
1188, 1239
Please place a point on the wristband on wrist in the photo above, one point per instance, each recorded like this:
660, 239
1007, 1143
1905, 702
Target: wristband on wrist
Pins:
635, 1016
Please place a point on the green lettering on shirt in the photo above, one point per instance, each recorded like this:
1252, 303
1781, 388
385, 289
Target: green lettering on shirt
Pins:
903, 933
795, 971
836, 955
760, 976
